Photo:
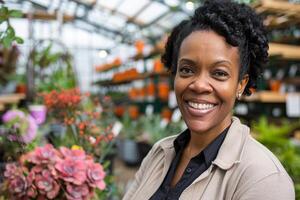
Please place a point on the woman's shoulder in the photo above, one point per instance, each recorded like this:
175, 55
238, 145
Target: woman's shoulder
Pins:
258, 155
166, 142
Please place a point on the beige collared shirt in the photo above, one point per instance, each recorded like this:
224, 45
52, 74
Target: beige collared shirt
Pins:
243, 169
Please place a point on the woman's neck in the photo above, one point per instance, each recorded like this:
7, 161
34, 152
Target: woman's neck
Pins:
200, 141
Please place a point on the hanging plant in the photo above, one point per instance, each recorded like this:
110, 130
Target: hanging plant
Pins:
8, 36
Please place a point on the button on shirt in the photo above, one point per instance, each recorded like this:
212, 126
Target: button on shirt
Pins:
194, 169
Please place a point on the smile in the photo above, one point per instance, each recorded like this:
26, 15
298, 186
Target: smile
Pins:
201, 106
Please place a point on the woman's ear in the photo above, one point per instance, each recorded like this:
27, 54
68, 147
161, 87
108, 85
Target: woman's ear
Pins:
242, 84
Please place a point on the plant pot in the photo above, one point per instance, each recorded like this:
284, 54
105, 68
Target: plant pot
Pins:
38, 112
128, 151
21, 89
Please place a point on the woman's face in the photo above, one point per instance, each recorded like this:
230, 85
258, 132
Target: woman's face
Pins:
206, 82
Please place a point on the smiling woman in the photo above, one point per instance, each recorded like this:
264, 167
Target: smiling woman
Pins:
215, 57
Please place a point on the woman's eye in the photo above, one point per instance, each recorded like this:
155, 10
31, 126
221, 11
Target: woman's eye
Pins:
185, 71
221, 74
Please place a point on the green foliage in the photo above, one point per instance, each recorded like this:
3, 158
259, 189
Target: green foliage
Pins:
8, 36
158, 128
111, 189
276, 138
131, 128
53, 69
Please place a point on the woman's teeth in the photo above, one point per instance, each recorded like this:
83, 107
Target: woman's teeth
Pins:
200, 106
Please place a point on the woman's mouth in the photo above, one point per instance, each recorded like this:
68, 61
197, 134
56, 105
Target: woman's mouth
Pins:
200, 106
199, 109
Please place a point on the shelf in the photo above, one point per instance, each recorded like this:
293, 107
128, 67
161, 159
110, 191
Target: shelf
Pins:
10, 99
154, 52
105, 67
288, 52
279, 13
294, 81
267, 97
139, 77
47, 16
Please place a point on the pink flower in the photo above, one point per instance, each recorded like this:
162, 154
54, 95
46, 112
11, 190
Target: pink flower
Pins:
75, 154
77, 192
46, 184
19, 118
73, 171
43, 155
12, 170
95, 175
18, 186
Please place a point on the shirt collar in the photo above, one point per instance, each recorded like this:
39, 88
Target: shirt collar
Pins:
209, 153
230, 151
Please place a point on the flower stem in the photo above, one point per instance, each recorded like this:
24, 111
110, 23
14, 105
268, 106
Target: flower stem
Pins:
106, 151
74, 132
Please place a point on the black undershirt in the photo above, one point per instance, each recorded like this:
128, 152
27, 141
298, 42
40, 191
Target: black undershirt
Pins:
194, 169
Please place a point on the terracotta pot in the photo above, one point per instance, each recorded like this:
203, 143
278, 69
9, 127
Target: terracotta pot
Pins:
158, 66
21, 89
166, 113
275, 85
133, 112
163, 91
139, 46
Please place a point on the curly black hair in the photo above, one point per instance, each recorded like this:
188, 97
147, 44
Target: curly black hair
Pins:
237, 23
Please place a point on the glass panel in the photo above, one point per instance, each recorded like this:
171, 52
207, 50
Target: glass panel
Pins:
42, 2
131, 7
111, 4
172, 19
152, 12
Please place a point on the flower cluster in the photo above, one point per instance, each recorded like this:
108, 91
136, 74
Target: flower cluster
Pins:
48, 173
21, 127
64, 99
85, 120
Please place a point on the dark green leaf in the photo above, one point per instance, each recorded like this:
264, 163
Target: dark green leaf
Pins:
19, 40
4, 11
3, 18
15, 13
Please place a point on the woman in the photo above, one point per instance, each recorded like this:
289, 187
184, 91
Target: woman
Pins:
216, 56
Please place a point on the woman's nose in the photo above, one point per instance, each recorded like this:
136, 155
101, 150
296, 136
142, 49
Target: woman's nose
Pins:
201, 84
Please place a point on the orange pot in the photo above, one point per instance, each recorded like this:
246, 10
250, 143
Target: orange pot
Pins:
132, 94
21, 89
133, 112
119, 111
139, 45
166, 113
158, 66
150, 89
163, 91
275, 85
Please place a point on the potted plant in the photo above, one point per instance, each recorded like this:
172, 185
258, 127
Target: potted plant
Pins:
128, 146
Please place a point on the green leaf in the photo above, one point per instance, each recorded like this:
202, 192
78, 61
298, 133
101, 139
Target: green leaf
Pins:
7, 41
15, 13
4, 12
10, 32
19, 40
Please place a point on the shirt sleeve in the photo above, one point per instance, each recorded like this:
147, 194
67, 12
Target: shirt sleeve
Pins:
276, 186
138, 176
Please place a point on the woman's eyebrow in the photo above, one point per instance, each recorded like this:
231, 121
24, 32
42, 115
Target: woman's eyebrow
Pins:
185, 60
